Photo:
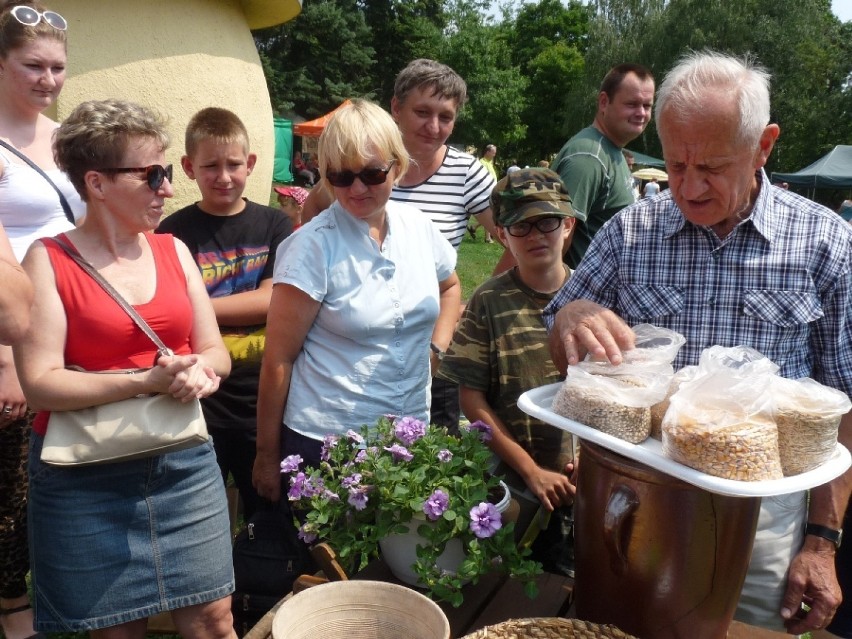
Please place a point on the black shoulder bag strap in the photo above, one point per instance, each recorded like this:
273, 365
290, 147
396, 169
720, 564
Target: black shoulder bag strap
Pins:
123, 303
65, 206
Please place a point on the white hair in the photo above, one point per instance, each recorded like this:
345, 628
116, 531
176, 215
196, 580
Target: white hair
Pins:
698, 74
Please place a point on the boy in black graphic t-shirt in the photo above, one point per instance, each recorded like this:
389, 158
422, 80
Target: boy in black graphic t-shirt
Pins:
233, 242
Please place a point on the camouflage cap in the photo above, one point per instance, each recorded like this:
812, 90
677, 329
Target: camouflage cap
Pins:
529, 193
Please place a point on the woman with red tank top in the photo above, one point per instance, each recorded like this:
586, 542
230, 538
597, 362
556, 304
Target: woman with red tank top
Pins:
113, 544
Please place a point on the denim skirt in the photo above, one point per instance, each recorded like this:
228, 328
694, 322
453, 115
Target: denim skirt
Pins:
114, 543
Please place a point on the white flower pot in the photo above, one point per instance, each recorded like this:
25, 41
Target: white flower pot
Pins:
400, 551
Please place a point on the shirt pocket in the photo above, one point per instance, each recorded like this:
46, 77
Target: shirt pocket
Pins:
644, 303
782, 308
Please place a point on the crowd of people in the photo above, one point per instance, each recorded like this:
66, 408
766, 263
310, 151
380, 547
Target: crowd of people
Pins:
295, 323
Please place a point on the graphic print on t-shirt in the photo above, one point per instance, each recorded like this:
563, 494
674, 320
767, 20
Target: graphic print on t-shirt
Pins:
233, 270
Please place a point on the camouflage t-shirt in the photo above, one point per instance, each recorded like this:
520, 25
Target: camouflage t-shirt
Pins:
500, 348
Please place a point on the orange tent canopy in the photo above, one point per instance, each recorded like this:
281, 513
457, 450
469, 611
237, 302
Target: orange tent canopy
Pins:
313, 128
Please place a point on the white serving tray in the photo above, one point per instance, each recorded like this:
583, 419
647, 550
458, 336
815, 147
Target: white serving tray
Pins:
537, 402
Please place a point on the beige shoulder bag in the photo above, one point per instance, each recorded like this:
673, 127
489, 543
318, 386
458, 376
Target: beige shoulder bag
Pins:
128, 429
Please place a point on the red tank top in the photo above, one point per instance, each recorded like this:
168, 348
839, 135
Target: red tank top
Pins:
101, 336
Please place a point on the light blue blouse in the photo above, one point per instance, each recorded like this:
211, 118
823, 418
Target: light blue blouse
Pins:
367, 353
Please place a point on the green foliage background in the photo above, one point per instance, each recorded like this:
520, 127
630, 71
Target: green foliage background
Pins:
533, 68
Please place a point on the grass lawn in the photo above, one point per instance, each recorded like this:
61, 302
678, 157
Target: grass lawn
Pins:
476, 261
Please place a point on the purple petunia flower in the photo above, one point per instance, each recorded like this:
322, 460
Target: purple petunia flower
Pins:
444, 455
358, 497
354, 437
298, 486
291, 463
400, 453
483, 428
303, 486
307, 535
485, 520
436, 505
408, 430
352, 480
360, 456
328, 442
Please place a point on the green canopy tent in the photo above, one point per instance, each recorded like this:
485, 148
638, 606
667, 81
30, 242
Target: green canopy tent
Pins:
281, 172
646, 160
832, 171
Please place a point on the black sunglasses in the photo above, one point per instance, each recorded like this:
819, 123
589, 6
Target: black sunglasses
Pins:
370, 176
154, 174
544, 224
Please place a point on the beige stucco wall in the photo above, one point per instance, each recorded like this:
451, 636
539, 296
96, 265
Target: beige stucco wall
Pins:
177, 56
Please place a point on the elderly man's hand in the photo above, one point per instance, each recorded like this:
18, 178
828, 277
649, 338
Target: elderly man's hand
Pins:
812, 580
582, 327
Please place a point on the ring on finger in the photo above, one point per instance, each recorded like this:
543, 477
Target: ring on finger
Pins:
7, 410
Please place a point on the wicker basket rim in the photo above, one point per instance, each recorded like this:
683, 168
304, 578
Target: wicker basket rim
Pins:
548, 628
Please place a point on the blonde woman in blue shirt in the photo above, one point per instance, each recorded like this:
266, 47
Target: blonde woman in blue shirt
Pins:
365, 298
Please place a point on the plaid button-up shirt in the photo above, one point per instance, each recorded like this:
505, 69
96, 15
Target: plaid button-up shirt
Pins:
780, 282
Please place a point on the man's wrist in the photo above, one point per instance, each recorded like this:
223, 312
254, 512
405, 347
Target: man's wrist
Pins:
831, 535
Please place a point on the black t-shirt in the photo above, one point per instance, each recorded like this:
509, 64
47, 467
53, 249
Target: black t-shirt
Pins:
235, 254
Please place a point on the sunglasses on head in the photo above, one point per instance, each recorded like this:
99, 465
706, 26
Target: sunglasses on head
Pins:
155, 174
30, 17
370, 176
544, 225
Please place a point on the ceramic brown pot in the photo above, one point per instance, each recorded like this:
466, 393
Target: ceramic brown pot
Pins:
655, 556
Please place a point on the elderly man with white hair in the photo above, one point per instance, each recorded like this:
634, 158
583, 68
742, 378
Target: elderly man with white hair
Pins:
726, 258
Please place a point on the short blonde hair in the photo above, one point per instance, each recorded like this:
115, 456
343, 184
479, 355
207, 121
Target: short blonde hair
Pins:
96, 136
355, 133
219, 125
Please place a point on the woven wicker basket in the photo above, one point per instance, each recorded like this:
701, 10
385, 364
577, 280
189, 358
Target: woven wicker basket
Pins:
548, 628
360, 610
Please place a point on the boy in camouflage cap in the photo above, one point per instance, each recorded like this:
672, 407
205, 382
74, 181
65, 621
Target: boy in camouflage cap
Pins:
500, 350
529, 193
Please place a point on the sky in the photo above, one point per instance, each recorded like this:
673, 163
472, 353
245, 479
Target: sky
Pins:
842, 9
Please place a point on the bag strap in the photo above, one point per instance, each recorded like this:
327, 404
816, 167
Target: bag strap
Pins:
65, 206
74, 254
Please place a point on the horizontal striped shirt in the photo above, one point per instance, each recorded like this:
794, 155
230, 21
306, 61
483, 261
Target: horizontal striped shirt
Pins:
780, 282
461, 187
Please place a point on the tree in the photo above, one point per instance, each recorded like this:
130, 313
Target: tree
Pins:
800, 42
402, 30
533, 75
477, 51
319, 59
548, 41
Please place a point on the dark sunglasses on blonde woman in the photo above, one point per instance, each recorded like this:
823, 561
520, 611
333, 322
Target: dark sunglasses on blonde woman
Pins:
30, 17
370, 176
155, 174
